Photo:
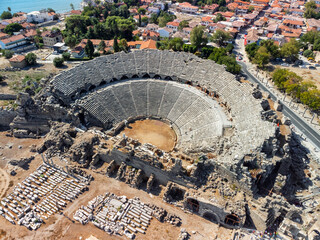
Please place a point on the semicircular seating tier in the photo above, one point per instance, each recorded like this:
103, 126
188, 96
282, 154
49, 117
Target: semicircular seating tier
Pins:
197, 119
250, 130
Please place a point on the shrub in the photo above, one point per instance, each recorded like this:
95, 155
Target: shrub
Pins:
58, 62
308, 53
66, 56
8, 54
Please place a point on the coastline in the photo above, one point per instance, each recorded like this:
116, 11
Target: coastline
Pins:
60, 6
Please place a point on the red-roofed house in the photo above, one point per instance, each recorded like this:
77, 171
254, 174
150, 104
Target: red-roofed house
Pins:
139, 45
3, 35
50, 38
205, 21
18, 61
186, 7
293, 23
296, 11
210, 8
313, 24
13, 42
173, 25
146, 35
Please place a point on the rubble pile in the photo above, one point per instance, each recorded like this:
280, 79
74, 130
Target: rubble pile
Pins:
119, 215
43, 193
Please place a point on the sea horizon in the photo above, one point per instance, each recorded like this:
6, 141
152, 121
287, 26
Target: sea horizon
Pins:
60, 6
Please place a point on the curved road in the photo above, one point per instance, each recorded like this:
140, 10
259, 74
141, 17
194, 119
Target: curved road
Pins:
303, 126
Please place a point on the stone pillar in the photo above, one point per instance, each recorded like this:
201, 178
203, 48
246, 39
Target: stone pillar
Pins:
304, 112
43, 158
313, 117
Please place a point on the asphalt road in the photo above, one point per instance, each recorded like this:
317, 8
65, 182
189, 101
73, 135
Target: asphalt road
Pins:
299, 123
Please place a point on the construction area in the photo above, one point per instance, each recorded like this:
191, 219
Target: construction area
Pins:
154, 145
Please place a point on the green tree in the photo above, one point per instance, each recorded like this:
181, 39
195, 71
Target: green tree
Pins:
9, 9
90, 34
310, 10
311, 99
72, 6
183, 24
251, 9
66, 56
50, 10
197, 36
175, 44
145, 20
31, 58
142, 11
310, 37
219, 18
12, 27
58, 62
154, 18
262, 57
89, 49
290, 50
124, 11
6, 15
279, 77
316, 46
116, 47
139, 21
102, 46
308, 53
162, 22
8, 54
71, 41
251, 49
221, 37
272, 48
123, 45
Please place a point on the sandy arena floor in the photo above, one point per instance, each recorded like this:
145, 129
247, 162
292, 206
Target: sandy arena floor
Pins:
152, 131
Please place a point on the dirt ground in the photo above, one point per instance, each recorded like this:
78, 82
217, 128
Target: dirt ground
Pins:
13, 80
63, 227
152, 131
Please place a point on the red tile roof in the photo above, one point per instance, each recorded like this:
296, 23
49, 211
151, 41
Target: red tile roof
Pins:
13, 39
17, 58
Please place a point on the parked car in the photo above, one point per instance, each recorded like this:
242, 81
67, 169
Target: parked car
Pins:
312, 67
285, 64
302, 66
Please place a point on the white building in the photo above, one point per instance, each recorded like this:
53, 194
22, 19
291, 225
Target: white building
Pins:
40, 16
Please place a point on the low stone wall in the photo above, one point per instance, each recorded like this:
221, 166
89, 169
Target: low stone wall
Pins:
4, 96
6, 117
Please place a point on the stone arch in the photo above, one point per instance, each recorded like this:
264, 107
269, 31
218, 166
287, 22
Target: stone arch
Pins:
146, 75
124, 77
135, 76
168, 78
211, 217
157, 76
193, 204
113, 80
92, 87
232, 219
83, 91
102, 83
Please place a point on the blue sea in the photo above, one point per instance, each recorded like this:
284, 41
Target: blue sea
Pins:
59, 6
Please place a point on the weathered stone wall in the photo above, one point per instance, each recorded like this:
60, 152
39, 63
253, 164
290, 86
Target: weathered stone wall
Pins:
162, 176
4, 96
6, 117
